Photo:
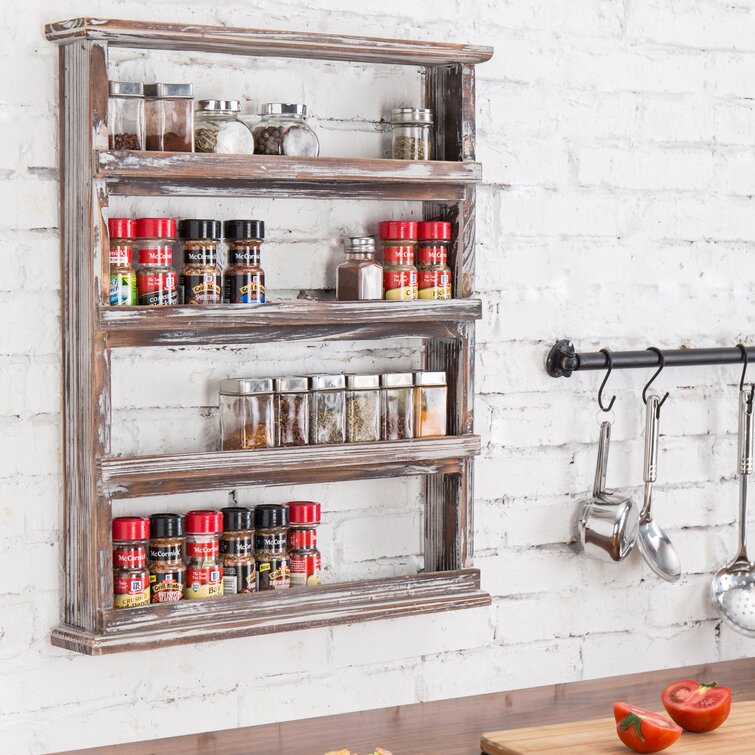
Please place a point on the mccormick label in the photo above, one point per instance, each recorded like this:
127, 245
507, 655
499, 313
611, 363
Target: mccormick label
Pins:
129, 558
199, 550
131, 591
169, 553
239, 578
432, 255
246, 288
302, 539
434, 284
120, 255
166, 586
305, 569
400, 285
202, 289
123, 289
158, 288
273, 574
272, 542
204, 582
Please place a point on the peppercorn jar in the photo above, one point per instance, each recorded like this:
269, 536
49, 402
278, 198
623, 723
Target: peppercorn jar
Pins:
122, 273
125, 115
271, 547
204, 574
130, 574
412, 132
237, 551
169, 117
283, 131
306, 562
397, 406
362, 408
433, 273
247, 417
156, 279
360, 277
292, 411
218, 128
430, 404
244, 278
327, 409
167, 571
201, 279
399, 240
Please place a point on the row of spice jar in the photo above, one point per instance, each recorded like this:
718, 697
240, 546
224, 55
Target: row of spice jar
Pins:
210, 554
201, 280
327, 409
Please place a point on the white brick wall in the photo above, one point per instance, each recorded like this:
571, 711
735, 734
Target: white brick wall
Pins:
618, 141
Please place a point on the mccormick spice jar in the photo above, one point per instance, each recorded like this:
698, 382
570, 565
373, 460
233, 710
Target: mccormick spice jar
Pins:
397, 406
122, 274
130, 575
156, 278
169, 117
237, 551
434, 275
244, 278
430, 404
362, 408
204, 574
291, 411
246, 413
167, 571
327, 411
304, 516
271, 548
201, 279
399, 240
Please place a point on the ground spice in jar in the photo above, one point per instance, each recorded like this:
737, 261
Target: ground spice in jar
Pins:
397, 406
430, 404
398, 240
434, 275
362, 408
156, 279
130, 574
167, 571
122, 273
271, 547
201, 279
237, 551
246, 413
306, 562
204, 574
292, 411
244, 279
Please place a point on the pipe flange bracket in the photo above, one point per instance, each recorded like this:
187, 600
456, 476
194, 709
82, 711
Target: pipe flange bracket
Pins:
562, 359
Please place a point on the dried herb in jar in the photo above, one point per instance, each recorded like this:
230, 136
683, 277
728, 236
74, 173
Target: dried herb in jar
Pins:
327, 409
292, 411
362, 408
246, 413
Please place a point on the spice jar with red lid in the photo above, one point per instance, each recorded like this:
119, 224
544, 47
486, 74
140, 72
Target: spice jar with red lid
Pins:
204, 574
434, 275
305, 560
122, 273
130, 574
398, 239
156, 279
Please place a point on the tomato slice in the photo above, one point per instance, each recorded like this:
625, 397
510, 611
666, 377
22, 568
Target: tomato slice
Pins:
696, 706
643, 731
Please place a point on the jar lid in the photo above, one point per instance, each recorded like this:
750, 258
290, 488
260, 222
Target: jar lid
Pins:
327, 382
199, 229
121, 228
156, 228
397, 380
236, 518
235, 230
270, 515
429, 378
360, 245
166, 525
303, 512
204, 522
125, 88
219, 106
179, 91
291, 385
243, 386
283, 108
434, 229
130, 528
411, 115
362, 381
398, 229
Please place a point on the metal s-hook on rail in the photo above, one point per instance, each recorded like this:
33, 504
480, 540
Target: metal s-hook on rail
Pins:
662, 364
603, 384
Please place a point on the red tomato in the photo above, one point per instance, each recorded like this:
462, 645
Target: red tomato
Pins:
643, 731
695, 706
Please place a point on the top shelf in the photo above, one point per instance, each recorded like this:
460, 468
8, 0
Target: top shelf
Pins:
262, 42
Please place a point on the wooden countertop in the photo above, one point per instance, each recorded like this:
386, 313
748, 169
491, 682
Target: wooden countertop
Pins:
445, 727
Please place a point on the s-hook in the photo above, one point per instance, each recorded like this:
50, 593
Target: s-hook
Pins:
745, 359
608, 408
662, 360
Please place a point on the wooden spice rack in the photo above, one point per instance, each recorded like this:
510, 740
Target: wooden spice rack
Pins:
91, 329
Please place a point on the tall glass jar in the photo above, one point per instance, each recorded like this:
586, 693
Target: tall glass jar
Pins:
412, 131
292, 411
327, 413
169, 117
218, 128
156, 278
430, 404
397, 406
433, 273
362, 408
130, 574
271, 547
399, 241
237, 551
244, 278
204, 574
201, 279
360, 278
283, 130
125, 115
246, 413
122, 273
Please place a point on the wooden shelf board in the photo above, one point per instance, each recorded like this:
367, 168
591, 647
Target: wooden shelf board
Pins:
264, 42
264, 613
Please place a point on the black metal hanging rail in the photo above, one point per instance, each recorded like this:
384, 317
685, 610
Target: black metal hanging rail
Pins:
563, 359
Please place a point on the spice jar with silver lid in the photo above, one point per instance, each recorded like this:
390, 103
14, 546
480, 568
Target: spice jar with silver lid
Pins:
292, 411
327, 413
125, 115
397, 406
362, 408
412, 129
237, 551
360, 277
430, 404
218, 128
271, 547
246, 413
283, 130
169, 117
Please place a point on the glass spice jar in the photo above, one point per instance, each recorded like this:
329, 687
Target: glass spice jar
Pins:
122, 273
237, 551
327, 409
292, 411
218, 128
397, 406
156, 278
434, 275
271, 547
412, 130
201, 279
244, 278
306, 562
125, 115
167, 571
283, 131
246, 413
130, 574
204, 574
430, 404
399, 239
362, 408
169, 117
360, 278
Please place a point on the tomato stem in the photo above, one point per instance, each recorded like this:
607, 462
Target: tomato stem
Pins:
632, 719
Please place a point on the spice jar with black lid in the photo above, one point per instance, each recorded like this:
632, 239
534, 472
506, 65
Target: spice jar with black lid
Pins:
201, 279
247, 418
237, 551
327, 410
292, 411
122, 273
167, 571
125, 115
283, 131
169, 117
156, 279
244, 278
130, 573
397, 406
271, 547
362, 408
204, 574
306, 563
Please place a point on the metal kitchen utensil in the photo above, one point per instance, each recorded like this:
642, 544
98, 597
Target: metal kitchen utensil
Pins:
733, 587
608, 523
652, 541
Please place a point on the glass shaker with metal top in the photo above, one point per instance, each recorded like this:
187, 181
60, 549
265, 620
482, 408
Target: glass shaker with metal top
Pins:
360, 277
412, 129
169, 117
397, 406
218, 128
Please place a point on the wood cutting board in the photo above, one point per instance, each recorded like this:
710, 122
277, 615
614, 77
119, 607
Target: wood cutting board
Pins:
736, 735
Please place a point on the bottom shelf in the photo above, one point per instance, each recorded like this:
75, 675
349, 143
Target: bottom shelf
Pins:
262, 613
